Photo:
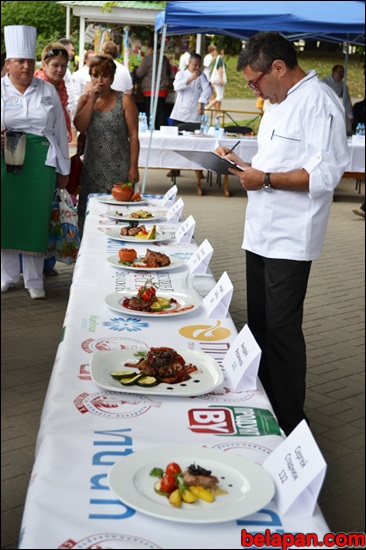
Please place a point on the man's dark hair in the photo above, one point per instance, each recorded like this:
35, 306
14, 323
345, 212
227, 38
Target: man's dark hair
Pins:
264, 47
195, 56
66, 41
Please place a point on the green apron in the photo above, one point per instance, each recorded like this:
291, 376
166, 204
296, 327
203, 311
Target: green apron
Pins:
26, 200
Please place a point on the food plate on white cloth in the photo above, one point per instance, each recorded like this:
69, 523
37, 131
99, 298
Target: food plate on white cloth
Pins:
183, 304
138, 264
126, 216
160, 236
109, 199
207, 377
249, 487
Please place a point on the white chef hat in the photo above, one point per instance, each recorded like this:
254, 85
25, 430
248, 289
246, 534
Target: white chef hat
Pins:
20, 42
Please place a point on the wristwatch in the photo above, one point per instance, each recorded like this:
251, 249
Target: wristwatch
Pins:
267, 182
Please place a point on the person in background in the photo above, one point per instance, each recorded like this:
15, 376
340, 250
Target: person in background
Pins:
218, 80
193, 92
30, 105
53, 69
122, 79
360, 211
110, 120
183, 61
335, 81
71, 106
208, 61
144, 72
81, 77
302, 155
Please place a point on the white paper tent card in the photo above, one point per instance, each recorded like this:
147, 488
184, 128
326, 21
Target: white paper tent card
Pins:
185, 232
175, 212
298, 469
170, 195
241, 362
199, 262
218, 300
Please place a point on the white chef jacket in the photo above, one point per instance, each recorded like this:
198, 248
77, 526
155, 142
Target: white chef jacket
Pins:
69, 83
122, 79
80, 78
197, 91
307, 130
38, 111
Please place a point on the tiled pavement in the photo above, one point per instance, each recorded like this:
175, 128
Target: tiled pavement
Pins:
334, 328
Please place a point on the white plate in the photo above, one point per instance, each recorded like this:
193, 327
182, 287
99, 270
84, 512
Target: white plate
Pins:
174, 264
185, 304
204, 380
116, 215
110, 200
249, 486
160, 236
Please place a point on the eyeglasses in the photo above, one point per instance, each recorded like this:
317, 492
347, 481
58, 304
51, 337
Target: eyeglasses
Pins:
56, 52
254, 85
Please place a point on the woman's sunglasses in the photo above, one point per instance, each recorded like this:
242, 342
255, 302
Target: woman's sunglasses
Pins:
56, 52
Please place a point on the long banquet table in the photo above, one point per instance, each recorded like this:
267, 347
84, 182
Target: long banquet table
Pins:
163, 145
84, 429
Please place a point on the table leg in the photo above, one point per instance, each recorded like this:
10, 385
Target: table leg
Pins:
226, 186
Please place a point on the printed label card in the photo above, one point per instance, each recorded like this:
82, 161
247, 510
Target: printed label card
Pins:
185, 232
170, 195
241, 362
218, 300
175, 212
199, 262
298, 469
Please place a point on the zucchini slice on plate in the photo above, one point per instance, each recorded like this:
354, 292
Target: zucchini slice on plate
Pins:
118, 374
131, 380
147, 381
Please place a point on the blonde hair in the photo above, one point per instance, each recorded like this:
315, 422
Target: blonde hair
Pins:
54, 46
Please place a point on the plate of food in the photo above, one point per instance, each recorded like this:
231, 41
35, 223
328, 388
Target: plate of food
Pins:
127, 258
191, 484
141, 215
158, 371
136, 232
109, 199
149, 302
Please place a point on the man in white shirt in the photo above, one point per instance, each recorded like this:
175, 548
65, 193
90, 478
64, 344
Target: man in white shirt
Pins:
335, 81
71, 106
208, 60
193, 92
302, 154
183, 61
122, 79
82, 76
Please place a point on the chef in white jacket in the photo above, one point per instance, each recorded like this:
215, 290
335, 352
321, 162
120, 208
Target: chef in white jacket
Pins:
193, 92
302, 154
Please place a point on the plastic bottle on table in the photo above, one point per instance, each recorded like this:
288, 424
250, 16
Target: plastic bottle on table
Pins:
217, 127
143, 122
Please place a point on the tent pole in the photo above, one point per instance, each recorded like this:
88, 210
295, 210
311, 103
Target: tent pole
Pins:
346, 45
81, 42
157, 85
67, 22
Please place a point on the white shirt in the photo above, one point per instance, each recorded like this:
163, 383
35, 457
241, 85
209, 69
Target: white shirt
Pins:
207, 64
122, 79
337, 86
197, 91
183, 61
38, 111
306, 130
80, 78
69, 83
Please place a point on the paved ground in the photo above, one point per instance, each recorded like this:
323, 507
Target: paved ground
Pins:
334, 329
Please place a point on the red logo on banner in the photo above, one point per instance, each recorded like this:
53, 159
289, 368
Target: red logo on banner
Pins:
213, 421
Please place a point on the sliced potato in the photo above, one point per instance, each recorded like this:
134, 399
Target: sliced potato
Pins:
201, 493
188, 496
175, 499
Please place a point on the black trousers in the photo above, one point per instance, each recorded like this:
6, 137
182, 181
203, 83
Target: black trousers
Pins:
276, 291
161, 119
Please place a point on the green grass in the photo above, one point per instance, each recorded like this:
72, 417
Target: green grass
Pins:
322, 62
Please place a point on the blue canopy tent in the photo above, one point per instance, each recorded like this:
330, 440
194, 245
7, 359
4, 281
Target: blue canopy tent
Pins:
330, 22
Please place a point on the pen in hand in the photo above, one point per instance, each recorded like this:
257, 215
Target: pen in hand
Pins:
232, 149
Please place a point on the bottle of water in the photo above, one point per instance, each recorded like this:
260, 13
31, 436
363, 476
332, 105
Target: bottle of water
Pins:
207, 125
202, 127
143, 122
362, 129
151, 124
217, 127
140, 122
359, 129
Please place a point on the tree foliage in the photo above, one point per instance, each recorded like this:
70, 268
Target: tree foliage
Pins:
49, 18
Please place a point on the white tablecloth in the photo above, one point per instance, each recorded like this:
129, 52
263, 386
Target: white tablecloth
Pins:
162, 150
85, 429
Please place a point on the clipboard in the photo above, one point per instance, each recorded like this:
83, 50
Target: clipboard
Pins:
210, 161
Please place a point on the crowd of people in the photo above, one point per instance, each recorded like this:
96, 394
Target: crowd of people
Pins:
302, 154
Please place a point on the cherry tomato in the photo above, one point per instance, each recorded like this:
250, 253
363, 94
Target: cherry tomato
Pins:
146, 295
173, 468
152, 290
168, 483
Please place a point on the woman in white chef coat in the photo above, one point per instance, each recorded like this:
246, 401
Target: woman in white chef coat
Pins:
30, 105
